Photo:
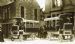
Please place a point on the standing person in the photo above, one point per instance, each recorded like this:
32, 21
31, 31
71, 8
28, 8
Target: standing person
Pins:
40, 33
45, 31
1, 35
21, 30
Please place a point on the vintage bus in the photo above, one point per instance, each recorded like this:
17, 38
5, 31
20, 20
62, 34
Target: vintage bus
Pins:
56, 24
67, 32
31, 28
51, 29
26, 28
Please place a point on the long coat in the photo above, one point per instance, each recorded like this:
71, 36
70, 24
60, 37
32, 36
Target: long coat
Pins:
1, 36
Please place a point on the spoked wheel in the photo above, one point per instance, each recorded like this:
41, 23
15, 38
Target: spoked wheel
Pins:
12, 38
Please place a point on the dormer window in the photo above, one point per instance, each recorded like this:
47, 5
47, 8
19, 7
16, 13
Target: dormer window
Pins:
57, 3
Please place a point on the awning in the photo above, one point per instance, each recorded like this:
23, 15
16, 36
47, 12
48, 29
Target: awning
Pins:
53, 18
5, 2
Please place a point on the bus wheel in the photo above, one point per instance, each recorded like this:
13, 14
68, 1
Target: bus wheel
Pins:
12, 39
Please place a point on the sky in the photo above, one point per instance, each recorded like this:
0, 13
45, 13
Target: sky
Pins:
42, 4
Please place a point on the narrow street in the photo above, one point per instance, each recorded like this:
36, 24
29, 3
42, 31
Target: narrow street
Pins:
37, 21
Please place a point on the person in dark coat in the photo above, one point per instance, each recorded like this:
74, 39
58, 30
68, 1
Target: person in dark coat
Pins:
43, 32
1, 35
45, 28
40, 33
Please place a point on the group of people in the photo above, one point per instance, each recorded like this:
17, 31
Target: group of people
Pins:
42, 32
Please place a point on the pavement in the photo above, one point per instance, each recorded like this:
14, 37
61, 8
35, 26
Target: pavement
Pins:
37, 41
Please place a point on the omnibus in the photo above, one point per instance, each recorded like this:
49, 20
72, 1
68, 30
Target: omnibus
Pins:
67, 31
52, 28
31, 27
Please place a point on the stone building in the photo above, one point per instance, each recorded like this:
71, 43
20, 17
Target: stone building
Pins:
26, 9
7, 12
54, 8
29, 10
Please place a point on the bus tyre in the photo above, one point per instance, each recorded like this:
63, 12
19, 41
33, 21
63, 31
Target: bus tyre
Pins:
12, 39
